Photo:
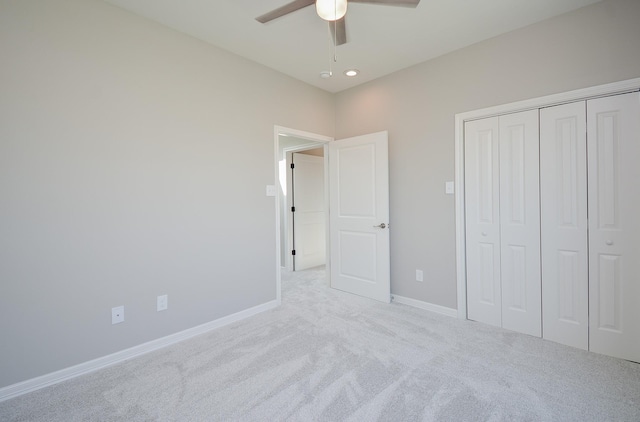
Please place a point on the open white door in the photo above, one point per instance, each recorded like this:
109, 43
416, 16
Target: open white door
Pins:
309, 231
359, 215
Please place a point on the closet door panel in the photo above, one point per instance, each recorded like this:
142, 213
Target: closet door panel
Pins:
482, 221
613, 142
563, 204
520, 222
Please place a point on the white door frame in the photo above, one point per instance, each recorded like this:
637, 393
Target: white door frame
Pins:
535, 103
322, 139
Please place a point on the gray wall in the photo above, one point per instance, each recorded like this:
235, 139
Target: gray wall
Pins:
133, 163
594, 45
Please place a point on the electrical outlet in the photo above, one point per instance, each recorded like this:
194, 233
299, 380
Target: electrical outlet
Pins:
117, 315
162, 303
419, 275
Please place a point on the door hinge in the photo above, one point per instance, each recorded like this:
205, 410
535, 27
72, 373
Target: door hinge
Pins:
293, 252
293, 209
293, 165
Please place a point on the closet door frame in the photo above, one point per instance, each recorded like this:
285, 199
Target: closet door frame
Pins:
621, 87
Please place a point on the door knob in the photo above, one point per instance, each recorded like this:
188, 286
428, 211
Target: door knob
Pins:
609, 242
381, 226
484, 233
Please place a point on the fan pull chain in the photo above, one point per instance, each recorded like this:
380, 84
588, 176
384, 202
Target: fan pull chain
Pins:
334, 58
335, 39
331, 61
335, 31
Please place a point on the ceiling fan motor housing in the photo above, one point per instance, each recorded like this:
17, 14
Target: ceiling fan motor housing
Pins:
331, 10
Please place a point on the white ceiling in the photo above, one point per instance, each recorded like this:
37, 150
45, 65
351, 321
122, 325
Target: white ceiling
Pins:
381, 39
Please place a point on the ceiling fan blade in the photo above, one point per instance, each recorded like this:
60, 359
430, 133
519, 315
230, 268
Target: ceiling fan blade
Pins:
402, 3
284, 10
338, 31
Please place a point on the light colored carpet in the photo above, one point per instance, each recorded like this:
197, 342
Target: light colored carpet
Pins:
325, 355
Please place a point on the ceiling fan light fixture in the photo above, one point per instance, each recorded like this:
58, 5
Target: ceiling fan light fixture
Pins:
331, 10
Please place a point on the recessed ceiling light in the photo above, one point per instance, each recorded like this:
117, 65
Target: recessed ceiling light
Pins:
351, 72
325, 74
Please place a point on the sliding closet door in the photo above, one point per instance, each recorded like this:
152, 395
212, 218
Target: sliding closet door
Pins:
614, 225
520, 222
563, 200
482, 221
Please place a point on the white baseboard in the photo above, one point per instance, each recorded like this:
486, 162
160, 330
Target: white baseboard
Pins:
443, 310
33, 384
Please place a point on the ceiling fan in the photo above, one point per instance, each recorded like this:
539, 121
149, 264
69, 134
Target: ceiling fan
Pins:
331, 10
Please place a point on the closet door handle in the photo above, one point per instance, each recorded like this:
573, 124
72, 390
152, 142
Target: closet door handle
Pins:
484, 234
609, 242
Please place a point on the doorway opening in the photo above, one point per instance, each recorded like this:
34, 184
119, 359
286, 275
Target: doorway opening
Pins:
292, 144
305, 207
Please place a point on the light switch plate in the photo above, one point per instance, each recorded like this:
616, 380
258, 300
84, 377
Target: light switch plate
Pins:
271, 190
448, 188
